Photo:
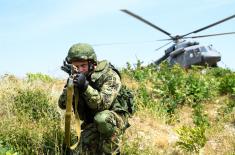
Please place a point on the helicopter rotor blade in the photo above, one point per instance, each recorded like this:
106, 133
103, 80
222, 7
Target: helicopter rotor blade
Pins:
163, 46
206, 27
211, 35
146, 22
122, 43
163, 39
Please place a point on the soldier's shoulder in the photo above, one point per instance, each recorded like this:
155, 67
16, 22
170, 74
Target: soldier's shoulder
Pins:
103, 70
102, 65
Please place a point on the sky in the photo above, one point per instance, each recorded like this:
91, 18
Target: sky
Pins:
35, 36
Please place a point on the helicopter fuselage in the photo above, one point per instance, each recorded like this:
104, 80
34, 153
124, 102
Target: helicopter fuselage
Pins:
191, 53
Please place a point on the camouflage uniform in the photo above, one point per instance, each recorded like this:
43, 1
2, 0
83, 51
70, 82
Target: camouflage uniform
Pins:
104, 118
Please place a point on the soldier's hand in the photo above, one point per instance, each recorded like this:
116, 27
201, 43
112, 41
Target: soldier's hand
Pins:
80, 82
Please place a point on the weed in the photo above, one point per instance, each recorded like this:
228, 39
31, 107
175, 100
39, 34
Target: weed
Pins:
191, 139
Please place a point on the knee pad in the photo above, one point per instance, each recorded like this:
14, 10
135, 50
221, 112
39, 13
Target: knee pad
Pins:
106, 123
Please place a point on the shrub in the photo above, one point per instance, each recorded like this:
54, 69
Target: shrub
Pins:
38, 76
191, 139
226, 108
33, 126
170, 84
6, 150
32, 138
219, 72
35, 104
197, 89
227, 84
199, 118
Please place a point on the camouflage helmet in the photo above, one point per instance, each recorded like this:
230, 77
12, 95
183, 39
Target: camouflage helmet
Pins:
81, 51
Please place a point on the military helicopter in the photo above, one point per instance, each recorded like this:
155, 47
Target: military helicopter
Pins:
184, 52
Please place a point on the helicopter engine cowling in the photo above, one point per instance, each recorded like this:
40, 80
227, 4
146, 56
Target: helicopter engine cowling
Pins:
177, 52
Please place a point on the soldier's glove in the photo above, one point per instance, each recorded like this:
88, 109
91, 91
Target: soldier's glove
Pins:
80, 82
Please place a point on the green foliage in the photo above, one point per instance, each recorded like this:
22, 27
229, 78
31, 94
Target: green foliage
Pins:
144, 95
177, 87
139, 73
30, 122
225, 78
170, 82
128, 66
174, 86
32, 138
39, 77
199, 118
35, 104
191, 139
219, 72
227, 84
6, 150
226, 108
197, 88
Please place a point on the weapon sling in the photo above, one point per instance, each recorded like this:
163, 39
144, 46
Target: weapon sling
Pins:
68, 114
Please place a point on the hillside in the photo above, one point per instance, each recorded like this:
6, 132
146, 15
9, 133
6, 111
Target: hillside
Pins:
177, 112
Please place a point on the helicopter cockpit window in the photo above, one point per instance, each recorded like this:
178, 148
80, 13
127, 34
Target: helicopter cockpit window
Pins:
203, 49
196, 50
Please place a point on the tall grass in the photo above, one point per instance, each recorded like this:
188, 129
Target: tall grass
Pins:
30, 121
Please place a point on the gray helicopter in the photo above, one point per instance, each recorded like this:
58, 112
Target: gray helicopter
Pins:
184, 52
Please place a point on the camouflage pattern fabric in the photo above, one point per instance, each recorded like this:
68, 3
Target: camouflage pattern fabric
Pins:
81, 51
104, 118
104, 135
108, 85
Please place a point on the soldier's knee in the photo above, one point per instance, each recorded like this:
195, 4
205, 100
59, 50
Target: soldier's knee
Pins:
105, 122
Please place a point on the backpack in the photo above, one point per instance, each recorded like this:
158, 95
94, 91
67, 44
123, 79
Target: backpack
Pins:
125, 95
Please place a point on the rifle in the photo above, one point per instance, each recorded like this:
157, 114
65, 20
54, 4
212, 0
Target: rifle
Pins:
70, 69
71, 91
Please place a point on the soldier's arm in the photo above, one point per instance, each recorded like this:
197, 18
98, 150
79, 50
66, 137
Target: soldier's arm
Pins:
103, 99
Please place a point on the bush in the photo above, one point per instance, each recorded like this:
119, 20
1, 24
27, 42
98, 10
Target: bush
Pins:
32, 138
227, 84
226, 108
192, 139
38, 76
199, 118
6, 150
35, 104
170, 85
32, 123
197, 89
219, 72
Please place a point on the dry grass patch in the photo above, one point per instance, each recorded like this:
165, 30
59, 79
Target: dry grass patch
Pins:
151, 131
